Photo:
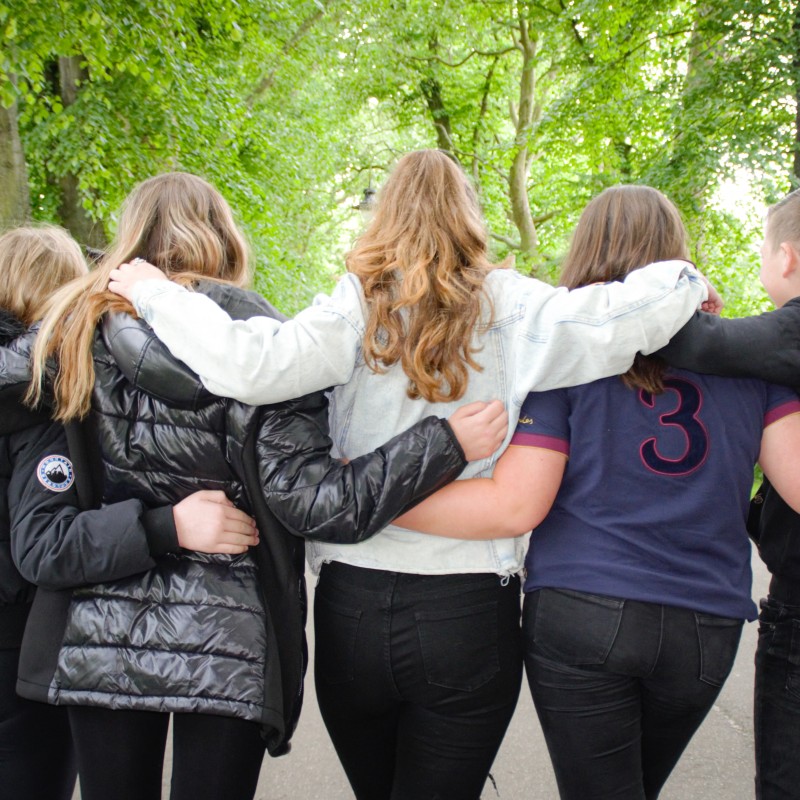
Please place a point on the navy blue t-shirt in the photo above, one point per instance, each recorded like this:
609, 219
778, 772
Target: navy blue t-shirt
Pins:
655, 494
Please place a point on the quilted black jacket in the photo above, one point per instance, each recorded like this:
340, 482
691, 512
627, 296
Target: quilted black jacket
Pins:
156, 436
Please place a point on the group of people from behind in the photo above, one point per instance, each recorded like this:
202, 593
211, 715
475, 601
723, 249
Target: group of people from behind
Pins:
168, 471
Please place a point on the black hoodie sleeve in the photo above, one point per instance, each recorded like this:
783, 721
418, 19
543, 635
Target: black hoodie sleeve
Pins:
766, 346
54, 543
320, 497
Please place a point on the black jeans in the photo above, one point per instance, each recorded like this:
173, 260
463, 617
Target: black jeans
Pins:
620, 687
777, 701
121, 755
417, 678
36, 758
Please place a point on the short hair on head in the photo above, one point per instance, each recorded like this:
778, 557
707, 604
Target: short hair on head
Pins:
783, 221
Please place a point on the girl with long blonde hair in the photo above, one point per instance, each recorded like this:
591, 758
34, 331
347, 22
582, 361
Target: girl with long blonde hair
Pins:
418, 652
209, 630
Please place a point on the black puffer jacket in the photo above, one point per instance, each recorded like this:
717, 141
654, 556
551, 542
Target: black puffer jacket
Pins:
162, 437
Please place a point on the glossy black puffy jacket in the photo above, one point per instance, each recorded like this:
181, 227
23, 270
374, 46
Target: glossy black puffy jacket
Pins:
156, 436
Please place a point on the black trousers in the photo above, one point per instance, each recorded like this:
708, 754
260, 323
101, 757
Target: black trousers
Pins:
777, 700
620, 687
121, 755
417, 678
36, 757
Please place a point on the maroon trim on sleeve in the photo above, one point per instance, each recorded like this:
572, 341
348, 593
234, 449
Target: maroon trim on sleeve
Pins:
540, 440
780, 411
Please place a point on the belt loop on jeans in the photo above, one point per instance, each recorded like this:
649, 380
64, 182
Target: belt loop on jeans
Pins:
785, 590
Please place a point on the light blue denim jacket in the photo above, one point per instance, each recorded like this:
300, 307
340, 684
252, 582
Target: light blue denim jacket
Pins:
540, 337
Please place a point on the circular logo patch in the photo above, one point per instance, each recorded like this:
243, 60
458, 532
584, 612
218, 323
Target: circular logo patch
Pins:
55, 473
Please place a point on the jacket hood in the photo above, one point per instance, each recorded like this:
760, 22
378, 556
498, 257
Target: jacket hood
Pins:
16, 343
10, 327
147, 363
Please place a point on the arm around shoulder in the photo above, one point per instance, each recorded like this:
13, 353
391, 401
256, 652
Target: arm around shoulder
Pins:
766, 346
258, 360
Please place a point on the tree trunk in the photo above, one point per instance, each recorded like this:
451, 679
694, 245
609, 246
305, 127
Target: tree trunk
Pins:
518, 176
432, 91
15, 203
441, 120
71, 212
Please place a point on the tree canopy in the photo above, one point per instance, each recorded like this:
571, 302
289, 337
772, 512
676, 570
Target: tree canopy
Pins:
293, 107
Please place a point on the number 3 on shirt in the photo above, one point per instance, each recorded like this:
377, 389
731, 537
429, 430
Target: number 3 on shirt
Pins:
683, 416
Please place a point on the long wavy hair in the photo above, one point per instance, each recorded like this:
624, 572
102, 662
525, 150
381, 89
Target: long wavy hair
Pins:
623, 228
422, 262
176, 221
35, 261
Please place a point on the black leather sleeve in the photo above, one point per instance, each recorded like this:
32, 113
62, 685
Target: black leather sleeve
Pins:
320, 497
766, 346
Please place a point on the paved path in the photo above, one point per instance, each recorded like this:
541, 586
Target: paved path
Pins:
718, 765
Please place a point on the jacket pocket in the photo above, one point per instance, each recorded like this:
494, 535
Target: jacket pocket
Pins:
335, 634
459, 646
718, 639
574, 628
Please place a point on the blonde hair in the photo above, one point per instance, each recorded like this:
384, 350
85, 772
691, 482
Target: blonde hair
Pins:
422, 262
783, 221
34, 262
176, 221
622, 229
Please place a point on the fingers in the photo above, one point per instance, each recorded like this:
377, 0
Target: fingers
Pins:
492, 411
213, 496
241, 525
469, 409
125, 276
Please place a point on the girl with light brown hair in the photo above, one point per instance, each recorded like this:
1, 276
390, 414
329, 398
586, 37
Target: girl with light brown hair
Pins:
418, 657
204, 626
638, 570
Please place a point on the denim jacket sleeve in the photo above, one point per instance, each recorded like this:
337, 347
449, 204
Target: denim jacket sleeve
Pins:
566, 338
258, 360
766, 346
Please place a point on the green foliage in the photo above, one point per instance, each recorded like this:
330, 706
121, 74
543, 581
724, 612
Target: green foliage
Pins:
293, 107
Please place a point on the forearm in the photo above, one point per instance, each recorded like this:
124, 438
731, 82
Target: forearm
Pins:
595, 332
468, 509
69, 548
512, 502
765, 346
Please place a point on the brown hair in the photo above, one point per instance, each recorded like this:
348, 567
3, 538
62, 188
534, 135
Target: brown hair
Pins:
176, 221
620, 230
783, 221
422, 262
34, 262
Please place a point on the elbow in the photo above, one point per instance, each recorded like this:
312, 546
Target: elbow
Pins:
518, 522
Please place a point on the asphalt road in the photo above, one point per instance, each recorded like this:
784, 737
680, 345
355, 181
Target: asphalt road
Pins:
718, 764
